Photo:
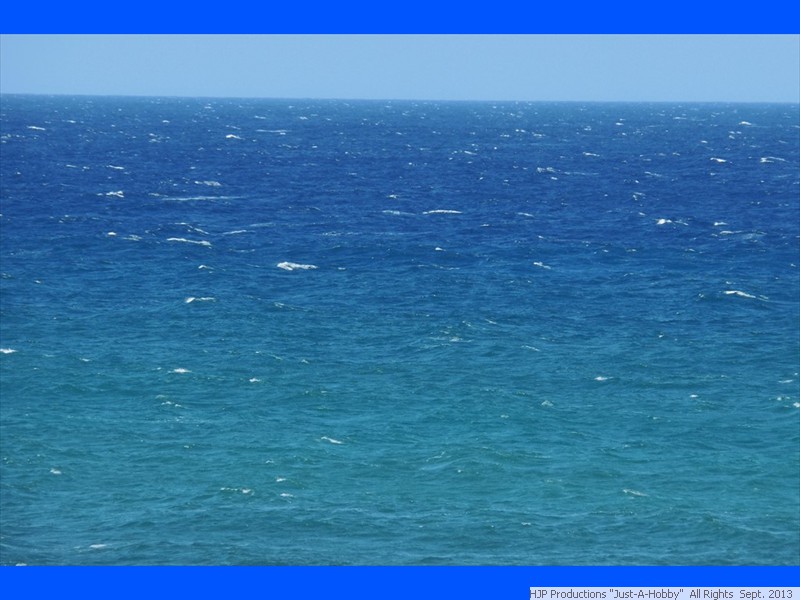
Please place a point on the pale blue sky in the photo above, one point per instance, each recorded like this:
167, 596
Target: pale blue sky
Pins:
731, 68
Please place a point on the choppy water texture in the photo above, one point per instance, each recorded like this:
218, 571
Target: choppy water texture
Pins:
296, 332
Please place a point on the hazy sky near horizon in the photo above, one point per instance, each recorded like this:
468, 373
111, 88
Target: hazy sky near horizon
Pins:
703, 68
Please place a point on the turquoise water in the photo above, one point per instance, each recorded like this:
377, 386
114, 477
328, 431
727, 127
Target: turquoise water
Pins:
333, 333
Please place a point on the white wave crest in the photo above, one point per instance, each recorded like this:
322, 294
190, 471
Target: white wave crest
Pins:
197, 198
331, 440
743, 294
7, 351
442, 211
246, 491
185, 241
191, 299
290, 266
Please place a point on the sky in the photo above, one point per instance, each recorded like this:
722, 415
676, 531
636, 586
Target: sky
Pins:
662, 68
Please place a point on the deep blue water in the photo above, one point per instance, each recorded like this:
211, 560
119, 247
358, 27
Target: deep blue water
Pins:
327, 332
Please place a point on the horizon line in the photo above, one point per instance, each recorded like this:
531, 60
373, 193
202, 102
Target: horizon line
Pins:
345, 99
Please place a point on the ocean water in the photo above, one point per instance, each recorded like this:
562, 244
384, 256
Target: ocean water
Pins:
263, 332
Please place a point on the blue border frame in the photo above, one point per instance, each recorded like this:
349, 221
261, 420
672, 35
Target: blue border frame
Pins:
401, 16
357, 583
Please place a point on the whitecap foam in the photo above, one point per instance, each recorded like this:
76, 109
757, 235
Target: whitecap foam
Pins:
442, 211
171, 403
115, 167
601, 378
185, 241
181, 370
7, 351
291, 266
331, 440
663, 221
116, 194
743, 294
246, 491
633, 492
771, 159
210, 183
55, 471
191, 299
192, 228
718, 160
193, 198
36, 128
541, 265
231, 136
